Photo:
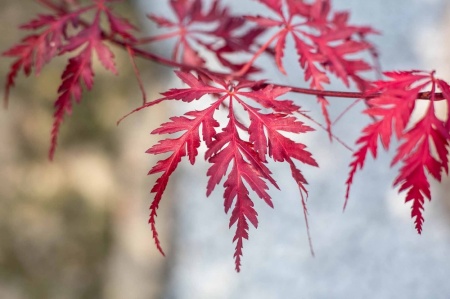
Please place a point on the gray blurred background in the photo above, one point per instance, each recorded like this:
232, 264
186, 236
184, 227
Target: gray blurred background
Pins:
77, 227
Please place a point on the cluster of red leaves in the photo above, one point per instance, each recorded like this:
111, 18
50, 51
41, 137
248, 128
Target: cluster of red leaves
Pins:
255, 131
223, 34
323, 41
423, 143
62, 32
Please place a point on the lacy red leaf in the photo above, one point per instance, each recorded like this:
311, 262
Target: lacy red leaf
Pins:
227, 32
239, 152
54, 39
323, 41
423, 143
35, 50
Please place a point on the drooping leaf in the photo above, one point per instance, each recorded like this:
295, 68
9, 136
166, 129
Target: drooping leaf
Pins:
238, 152
393, 109
67, 32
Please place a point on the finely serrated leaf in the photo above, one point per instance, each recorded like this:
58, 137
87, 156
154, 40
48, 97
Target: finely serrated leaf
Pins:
394, 107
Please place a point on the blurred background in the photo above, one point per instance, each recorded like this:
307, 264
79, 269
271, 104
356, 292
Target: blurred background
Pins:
77, 227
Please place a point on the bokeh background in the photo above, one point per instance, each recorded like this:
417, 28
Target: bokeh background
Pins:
77, 227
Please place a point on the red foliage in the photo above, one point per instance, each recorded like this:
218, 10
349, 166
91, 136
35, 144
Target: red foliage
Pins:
247, 158
255, 132
424, 142
84, 39
222, 28
326, 49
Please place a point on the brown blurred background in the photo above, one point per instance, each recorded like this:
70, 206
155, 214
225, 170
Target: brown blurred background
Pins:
77, 227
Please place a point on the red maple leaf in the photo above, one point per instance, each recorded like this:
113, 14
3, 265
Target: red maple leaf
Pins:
55, 39
323, 41
222, 35
424, 142
239, 152
35, 50
79, 71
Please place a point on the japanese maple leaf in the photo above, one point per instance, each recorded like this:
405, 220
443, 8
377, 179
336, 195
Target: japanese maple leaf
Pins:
223, 33
84, 39
238, 152
423, 143
323, 42
35, 50
78, 72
